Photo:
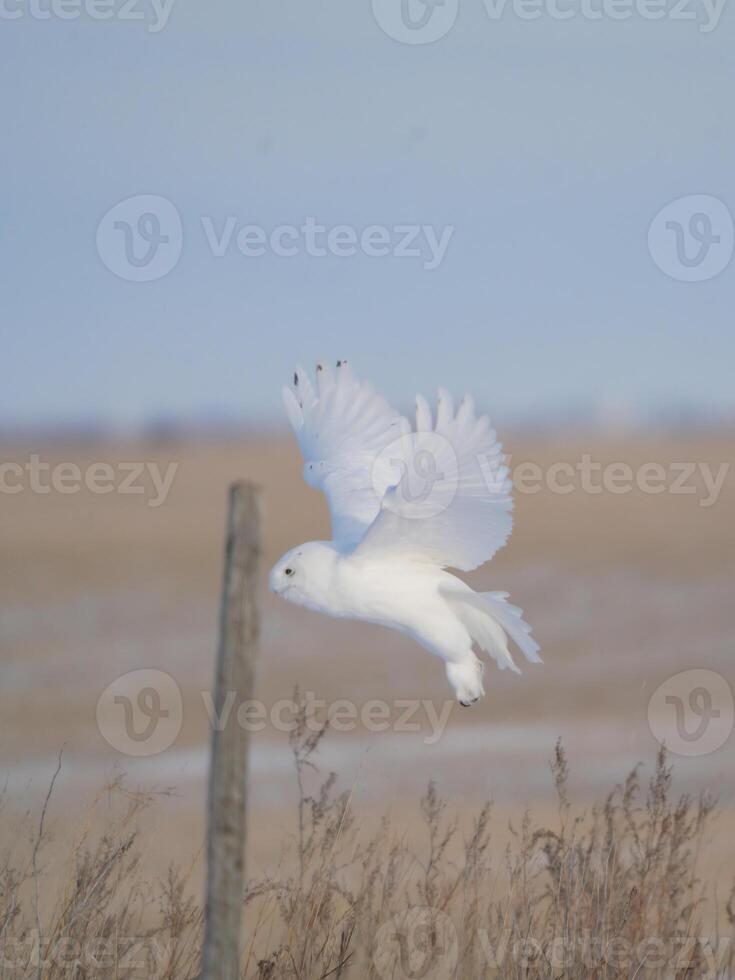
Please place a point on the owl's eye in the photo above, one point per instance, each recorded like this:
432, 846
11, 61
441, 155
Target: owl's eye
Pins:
288, 571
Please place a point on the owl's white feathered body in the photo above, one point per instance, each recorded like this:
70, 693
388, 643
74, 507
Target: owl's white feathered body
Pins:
405, 504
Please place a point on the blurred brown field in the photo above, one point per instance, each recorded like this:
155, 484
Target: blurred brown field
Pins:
623, 591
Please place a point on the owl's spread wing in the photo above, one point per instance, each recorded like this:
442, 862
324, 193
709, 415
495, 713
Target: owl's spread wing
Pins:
342, 426
449, 502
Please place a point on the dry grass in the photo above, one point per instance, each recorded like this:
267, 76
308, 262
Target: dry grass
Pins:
613, 892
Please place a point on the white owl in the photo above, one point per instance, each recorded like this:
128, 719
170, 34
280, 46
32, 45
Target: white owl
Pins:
406, 504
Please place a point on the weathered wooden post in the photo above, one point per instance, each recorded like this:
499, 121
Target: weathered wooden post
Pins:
238, 637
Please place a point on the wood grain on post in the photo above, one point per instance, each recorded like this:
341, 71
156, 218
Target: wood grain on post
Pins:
238, 637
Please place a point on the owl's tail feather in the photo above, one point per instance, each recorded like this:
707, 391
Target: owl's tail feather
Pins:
490, 620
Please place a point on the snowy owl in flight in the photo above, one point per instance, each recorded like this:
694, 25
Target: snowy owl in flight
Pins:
406, 504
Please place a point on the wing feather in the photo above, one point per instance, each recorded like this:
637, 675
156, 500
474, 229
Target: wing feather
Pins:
424, 421
450, 499
440, 493
342, 426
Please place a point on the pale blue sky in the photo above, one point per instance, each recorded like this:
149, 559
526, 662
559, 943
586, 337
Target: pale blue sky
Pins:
548, 146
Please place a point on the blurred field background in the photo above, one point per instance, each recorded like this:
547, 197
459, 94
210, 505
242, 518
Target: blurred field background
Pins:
622, 590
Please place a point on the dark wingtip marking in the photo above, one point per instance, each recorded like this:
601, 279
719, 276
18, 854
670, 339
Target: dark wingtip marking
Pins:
295, 378
339, 363
319, 367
